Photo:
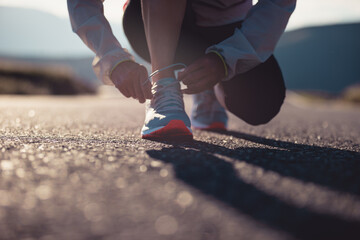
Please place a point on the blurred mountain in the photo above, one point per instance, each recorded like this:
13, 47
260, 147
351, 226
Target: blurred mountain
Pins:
322, 58
28, 32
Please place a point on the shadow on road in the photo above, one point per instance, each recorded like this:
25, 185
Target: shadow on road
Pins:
195, 164
330, 167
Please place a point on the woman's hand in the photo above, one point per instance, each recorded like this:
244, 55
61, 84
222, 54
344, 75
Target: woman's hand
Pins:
203, 74
131, 80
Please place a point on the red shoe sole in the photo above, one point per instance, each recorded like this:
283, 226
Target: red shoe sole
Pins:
216, 126
175, 130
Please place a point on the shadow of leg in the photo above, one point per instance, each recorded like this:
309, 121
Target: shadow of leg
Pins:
218, 179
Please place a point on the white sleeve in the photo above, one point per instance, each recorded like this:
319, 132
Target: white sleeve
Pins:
88, 21
256, 40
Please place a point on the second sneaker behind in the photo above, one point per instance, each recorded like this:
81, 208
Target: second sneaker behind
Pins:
207, 113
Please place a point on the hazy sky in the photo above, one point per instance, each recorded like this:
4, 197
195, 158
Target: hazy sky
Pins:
308, 12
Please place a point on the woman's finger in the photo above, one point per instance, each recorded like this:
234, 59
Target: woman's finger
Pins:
129, 85
197, 87
145, 84
124, 92
195, 76
138, 89
121, 88
190, 69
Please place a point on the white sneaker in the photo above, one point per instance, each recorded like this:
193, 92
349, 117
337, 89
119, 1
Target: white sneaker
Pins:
207, 113
165, 117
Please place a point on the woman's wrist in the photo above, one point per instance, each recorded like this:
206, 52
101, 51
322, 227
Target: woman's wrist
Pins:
117, 64
222, 60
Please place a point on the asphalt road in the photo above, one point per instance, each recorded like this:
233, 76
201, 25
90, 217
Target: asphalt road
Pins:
76, 168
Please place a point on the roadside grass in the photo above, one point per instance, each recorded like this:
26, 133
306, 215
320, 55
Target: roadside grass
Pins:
350, 96
26, 79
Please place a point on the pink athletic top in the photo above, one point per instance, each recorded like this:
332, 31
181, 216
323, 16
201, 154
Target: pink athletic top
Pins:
262, 26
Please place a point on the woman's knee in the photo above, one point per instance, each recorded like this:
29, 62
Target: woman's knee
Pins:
257, 113
255, 96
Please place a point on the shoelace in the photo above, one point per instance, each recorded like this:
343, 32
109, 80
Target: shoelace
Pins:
162, 69
169, 99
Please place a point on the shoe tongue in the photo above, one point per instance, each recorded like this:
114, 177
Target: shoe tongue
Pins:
167, 95
166, 82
